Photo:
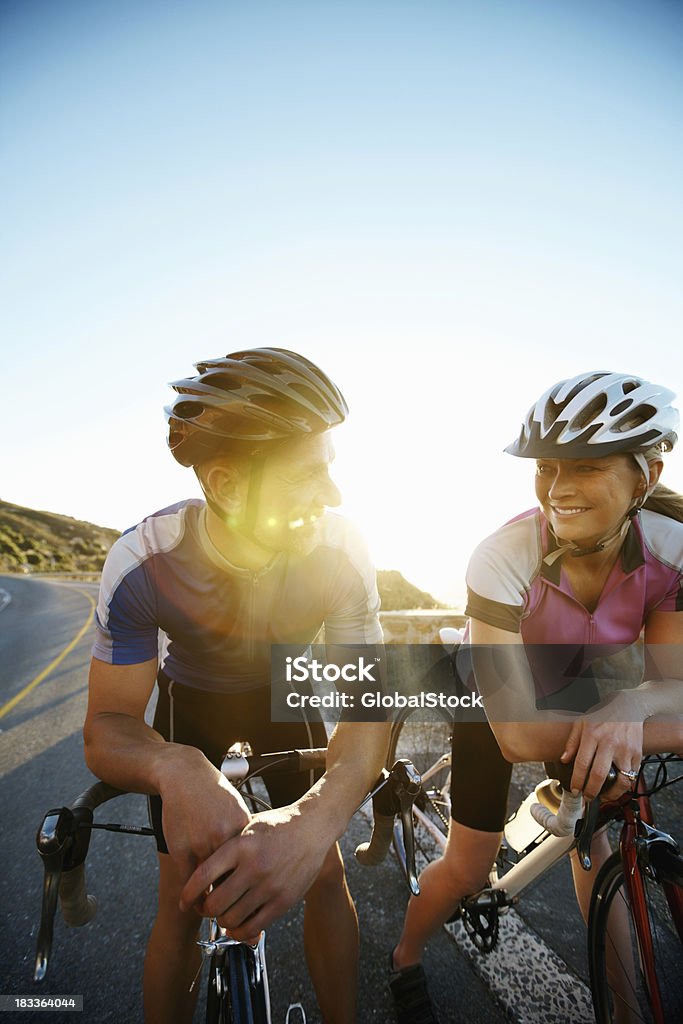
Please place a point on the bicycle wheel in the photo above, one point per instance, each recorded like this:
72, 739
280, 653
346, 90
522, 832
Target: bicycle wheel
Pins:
623, 989
238, 988
215, 1007
426, 742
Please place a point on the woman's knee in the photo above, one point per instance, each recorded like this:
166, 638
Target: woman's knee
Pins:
468, 858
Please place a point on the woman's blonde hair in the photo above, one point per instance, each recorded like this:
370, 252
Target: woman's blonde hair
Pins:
666, 502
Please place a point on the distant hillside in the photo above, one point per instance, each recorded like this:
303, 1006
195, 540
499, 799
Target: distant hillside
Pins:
45, 542
32, 541
397, 593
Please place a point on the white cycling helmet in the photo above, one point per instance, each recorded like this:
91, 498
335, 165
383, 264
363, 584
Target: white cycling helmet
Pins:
597, 414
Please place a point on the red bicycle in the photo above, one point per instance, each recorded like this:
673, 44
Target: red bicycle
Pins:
638, 894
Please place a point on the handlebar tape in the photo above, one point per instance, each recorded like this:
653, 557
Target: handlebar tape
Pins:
77, 906
374, 852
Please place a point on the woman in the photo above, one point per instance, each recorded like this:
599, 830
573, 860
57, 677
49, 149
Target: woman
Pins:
592, 566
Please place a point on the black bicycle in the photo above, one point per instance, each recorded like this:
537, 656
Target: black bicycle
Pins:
237, 991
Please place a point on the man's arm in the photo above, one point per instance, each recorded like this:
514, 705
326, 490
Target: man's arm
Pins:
201, 808
119, 746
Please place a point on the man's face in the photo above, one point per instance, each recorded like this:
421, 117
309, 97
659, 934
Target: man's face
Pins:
295, 491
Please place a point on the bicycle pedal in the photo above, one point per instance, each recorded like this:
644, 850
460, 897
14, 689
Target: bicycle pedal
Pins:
295, 1020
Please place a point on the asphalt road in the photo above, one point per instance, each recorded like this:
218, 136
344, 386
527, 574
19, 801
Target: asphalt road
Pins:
46, 625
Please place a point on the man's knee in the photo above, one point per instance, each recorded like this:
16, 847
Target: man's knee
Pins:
181, 923
331, 875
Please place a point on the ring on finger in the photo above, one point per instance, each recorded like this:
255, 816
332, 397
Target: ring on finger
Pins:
630, 775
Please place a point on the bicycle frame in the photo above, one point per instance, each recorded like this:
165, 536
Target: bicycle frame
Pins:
434, 832
527, 870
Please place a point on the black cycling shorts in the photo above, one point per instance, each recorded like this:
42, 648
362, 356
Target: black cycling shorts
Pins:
480, 778
480, 775
212, 722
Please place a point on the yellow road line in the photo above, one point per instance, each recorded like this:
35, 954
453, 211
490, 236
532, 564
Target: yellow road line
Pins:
6, 708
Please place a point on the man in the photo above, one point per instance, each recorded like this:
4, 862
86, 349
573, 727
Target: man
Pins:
260, 562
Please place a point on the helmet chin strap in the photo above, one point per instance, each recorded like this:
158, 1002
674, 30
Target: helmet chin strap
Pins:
256, 468
247, 523
605, 542
570, 547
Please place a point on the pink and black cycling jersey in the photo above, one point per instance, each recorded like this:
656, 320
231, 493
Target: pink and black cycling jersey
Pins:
164, 578
515, 583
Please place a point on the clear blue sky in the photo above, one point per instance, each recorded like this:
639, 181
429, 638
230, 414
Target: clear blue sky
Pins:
447, 205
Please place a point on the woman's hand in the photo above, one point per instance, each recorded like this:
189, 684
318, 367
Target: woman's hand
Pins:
611, 734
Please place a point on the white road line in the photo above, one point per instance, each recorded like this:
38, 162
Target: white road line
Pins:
5, 599
527, 977
532, 982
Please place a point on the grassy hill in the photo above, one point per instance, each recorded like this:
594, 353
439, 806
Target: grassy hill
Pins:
32, 541
397, 593
44, 542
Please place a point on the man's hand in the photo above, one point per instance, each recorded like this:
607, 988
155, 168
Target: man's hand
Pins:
612, 734
269, 867
272, 864
201, 809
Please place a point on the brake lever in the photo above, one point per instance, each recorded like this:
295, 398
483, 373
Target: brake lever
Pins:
54, 841
585, 827
407, 788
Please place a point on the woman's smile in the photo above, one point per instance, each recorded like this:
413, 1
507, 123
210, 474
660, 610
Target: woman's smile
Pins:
566, 512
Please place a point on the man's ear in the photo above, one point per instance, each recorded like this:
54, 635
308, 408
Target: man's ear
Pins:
225, 485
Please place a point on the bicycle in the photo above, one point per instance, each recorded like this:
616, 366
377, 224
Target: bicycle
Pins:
644, 877
237, 989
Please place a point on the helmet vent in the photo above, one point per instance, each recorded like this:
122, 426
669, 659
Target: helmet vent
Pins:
268, 403
621, 407
188, 410
309, 395
589, 413
551, 412
643, 414
580, 385
224, 381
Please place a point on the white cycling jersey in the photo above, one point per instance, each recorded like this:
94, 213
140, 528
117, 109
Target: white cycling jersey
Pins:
220, 621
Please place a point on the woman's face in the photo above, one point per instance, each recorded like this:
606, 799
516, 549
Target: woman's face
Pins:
585, 500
